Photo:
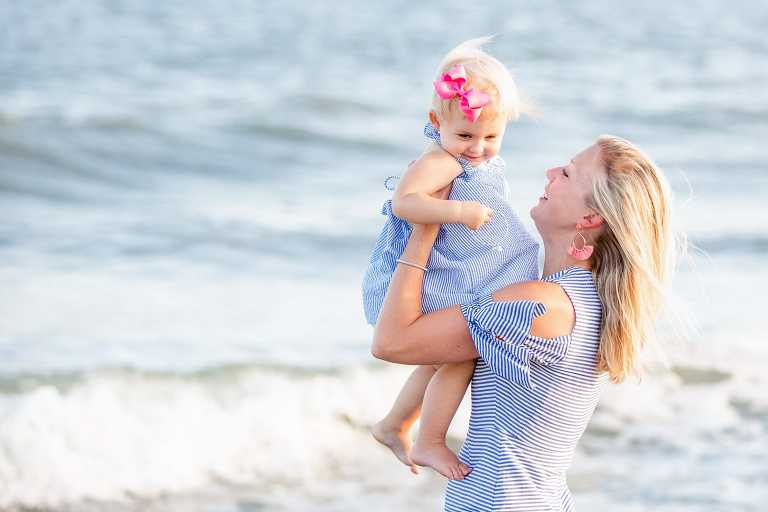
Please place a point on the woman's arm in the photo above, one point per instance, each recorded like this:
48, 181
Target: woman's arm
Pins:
413, 199
405, 335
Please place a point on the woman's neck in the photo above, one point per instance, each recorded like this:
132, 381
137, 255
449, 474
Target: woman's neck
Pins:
556, 257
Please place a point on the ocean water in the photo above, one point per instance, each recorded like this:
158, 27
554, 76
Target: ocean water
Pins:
189, 192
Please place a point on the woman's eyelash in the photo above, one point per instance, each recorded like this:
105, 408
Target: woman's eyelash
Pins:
565, 173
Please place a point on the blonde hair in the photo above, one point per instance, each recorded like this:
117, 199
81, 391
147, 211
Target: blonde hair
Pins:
484, 73
634, 256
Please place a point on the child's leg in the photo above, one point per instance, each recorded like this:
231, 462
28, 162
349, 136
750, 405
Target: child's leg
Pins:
442, 398
394, 430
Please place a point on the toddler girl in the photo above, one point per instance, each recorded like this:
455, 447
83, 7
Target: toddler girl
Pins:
482, 245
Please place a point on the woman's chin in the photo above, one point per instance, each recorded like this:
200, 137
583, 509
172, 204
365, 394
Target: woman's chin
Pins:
536, 209
538, 215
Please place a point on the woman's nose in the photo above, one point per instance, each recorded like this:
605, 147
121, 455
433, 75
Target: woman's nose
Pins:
551, 173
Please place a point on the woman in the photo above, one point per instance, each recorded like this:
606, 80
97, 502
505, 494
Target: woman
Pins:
547, 347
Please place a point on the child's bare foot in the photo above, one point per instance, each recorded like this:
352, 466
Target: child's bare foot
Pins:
397, 441
438, 457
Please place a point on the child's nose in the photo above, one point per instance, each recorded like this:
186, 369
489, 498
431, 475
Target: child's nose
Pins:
477, 147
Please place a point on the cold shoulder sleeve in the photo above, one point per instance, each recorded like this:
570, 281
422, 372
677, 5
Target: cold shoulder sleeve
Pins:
501, 334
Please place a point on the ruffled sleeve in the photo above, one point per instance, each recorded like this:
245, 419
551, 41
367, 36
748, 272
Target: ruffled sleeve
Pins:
501, 333
388, 211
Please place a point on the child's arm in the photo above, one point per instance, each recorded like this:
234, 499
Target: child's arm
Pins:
413, 200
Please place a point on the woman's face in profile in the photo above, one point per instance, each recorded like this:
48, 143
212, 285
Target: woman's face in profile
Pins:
568, 187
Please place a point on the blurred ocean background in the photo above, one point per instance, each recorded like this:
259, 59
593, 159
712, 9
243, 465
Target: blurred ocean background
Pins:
189, 192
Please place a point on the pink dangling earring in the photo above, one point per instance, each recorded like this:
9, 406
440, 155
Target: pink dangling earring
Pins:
580, 253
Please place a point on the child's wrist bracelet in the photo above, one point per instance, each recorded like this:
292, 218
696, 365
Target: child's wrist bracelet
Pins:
410, 264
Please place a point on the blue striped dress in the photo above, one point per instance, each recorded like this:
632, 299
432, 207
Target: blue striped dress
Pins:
531, 401
463, 263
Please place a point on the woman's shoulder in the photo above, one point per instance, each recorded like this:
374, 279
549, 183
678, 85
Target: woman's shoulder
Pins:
559, 316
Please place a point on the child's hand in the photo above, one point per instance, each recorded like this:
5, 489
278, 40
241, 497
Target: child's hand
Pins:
474, 214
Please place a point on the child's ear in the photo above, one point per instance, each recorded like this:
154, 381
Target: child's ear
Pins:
434, 120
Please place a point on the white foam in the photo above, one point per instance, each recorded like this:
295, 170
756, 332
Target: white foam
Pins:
118, 436
299, 437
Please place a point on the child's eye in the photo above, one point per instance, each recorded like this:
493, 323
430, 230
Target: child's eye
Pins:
491, 137
464, 136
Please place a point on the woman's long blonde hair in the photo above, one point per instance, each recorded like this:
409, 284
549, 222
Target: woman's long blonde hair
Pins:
633, 256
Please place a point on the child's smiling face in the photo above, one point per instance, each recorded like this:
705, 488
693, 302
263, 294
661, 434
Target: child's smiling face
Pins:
476, 142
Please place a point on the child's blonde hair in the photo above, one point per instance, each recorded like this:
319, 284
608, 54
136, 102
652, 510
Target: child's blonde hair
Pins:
484, 73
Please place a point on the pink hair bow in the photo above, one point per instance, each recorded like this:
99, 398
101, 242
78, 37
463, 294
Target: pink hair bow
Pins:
453, 84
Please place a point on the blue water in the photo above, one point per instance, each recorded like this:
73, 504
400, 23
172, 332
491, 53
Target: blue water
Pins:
189, 192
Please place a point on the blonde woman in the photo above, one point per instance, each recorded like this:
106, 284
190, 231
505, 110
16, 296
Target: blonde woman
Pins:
545, 348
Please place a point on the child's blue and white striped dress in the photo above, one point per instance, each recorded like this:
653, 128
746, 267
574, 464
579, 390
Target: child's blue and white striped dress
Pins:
463, 263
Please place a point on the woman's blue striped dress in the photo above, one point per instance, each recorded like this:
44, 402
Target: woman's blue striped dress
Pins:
531, 401
463, 263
